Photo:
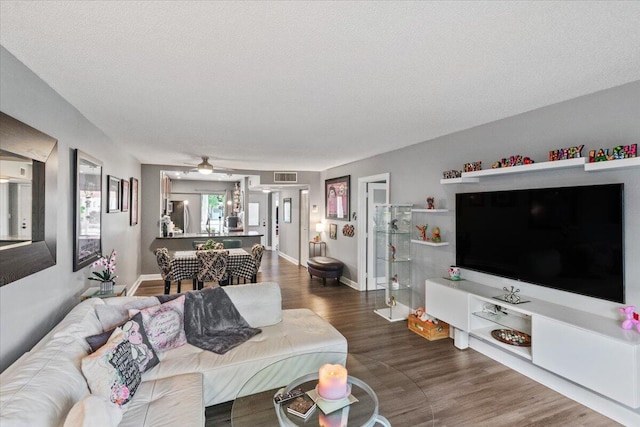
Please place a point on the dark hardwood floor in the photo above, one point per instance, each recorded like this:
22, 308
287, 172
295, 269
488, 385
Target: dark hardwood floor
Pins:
463, 388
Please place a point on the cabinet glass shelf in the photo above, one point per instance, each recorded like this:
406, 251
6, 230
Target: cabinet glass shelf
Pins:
520, 323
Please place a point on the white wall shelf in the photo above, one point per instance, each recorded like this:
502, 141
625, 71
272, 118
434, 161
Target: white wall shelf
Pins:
422, 242
612, 164
463, 180
430, 210
534, 167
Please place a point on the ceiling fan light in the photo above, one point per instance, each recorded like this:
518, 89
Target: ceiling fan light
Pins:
205, 167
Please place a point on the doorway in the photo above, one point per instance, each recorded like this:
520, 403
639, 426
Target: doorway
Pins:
371, 190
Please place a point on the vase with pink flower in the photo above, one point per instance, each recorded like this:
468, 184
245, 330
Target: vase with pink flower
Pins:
107, 276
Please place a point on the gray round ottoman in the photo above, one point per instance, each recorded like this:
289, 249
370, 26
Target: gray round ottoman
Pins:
325, 267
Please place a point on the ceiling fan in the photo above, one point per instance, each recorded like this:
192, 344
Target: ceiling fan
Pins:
206, 168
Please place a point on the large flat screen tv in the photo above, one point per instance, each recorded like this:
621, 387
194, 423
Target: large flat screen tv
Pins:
567, 238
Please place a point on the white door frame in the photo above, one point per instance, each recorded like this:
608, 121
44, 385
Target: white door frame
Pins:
362, 223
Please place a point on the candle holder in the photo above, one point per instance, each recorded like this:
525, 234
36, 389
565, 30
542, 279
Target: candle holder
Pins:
332, 382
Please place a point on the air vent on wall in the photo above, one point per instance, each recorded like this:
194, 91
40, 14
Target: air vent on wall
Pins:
285, 177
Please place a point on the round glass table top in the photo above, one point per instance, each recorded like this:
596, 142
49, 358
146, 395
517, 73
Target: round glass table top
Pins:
383, 393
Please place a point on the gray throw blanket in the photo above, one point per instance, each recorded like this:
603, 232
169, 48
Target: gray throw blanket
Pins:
212, 322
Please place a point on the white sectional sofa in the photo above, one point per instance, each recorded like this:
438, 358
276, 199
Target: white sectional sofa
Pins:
42, 386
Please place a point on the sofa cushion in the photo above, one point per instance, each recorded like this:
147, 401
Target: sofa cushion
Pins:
94, 411
141, 348
258, 312
111, 371
164, 324
167, 402
111, 316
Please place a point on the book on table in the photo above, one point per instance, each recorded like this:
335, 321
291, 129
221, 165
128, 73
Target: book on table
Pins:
302, 406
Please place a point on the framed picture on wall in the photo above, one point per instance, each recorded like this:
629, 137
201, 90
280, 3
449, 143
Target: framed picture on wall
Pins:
113, 194
124, 196
333, 231
336, 193
134, 202
87, 245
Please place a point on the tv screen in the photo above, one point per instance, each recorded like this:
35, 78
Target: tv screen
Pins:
567, 238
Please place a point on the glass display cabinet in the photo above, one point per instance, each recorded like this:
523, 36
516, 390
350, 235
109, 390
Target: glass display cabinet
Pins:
393, 261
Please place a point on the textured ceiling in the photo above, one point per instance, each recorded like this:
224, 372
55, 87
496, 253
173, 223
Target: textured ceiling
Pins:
311, 85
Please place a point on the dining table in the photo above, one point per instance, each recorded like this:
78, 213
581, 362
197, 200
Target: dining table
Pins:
240, 264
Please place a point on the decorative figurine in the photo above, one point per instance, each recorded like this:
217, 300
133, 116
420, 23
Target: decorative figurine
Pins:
394, 282
436, 235
394, 224
423, 231
511, 295
431, 202
632, 317
393, 252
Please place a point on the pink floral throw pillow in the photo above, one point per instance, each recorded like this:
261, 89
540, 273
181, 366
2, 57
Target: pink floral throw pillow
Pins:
164, 325
111, 371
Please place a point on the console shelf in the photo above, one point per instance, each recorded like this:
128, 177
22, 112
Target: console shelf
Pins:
612, 164
422, 242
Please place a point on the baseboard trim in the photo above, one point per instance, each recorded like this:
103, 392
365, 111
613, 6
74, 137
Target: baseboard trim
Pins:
607, 407
350, 283
143, 277
288, 258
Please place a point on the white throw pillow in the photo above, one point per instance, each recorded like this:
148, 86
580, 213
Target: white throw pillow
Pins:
111, 371
164, 324
94, 411
111, 316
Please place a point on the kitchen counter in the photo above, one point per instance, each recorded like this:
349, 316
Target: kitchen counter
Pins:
185, 241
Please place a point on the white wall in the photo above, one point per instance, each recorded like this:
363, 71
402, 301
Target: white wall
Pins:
604, 119
31, 306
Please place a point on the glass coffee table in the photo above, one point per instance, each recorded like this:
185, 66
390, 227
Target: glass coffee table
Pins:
385, 396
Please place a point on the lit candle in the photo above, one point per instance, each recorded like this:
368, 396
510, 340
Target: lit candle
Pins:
332, 382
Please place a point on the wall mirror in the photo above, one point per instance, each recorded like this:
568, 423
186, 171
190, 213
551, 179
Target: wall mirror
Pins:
88, 210
28, 187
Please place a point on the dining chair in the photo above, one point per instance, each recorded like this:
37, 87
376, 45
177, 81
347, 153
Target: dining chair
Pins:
166, 269
257, 251
212, 266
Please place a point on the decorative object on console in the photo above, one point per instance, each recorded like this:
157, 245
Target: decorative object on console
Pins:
393, 252
512, 337
348, 230
511, 296
107, 276
435, 232
632, 317
423, 231
617, 153
431, 202
516, 160
472, 166
165, 220
454, 273
566, 153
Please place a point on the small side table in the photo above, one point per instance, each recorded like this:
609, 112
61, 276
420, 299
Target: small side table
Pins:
94, 292
317, 249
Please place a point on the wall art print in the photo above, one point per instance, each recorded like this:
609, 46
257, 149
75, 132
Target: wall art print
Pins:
337, 198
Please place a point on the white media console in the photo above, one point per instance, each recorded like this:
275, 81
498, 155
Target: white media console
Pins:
592, 352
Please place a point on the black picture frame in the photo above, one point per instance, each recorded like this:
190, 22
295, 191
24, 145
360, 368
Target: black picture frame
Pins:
133, 218
113, 194
124, 195
87, 246
336, 198
286, 210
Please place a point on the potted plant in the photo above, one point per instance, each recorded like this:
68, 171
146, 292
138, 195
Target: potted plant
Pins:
107, 276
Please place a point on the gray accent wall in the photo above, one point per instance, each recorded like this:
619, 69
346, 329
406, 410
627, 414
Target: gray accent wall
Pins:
603, 119
30, 307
